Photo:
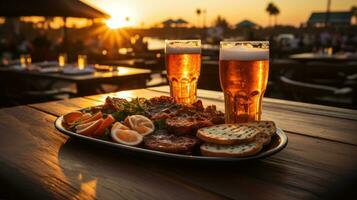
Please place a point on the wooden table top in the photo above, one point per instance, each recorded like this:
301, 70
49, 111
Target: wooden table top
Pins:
38, 161
122, 72
322, 57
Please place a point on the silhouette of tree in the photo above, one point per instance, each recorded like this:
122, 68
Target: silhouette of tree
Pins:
272, 10
275, 13
269, 10
221, 22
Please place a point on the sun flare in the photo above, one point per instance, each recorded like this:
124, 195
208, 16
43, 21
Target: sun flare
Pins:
116, 22
121, 16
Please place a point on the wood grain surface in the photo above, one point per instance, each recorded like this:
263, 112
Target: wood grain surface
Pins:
40, 162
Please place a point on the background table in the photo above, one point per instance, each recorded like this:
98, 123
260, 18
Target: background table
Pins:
126, 77
39, 162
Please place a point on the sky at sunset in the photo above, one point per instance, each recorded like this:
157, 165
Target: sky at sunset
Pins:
149, 12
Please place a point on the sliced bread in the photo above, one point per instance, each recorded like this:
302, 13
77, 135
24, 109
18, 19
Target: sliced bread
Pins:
237, 150
265, 126
228, 134
263, 138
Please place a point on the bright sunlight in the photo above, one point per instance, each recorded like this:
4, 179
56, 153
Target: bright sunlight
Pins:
120, 17
118, 22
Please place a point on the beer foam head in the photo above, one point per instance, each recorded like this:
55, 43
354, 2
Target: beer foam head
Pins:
243, 53
183, 46
182, 50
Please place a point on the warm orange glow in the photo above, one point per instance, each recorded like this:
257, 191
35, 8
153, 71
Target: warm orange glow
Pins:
115, 23
147, 13
88, 189
121, 16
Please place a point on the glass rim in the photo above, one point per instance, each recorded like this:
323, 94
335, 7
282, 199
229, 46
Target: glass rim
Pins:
192, 43
246, 41
189, 40
183, 46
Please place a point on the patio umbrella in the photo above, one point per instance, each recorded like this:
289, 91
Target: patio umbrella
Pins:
49, 8
181, 21
168, 23
246, 24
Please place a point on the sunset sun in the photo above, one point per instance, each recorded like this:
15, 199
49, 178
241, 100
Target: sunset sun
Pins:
118, 22
120, 17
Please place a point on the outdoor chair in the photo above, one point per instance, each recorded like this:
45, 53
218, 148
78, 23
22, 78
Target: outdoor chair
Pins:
317, 93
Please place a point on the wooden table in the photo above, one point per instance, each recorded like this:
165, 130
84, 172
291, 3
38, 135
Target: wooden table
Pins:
39, 162
307, 57
87, 84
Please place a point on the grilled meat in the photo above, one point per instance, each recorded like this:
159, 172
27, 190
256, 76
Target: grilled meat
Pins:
189, 119
113, 104
162, 141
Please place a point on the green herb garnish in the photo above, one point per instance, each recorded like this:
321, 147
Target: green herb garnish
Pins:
160, 124
136, 106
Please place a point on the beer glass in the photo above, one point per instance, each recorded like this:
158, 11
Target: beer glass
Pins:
243, 73
183, 65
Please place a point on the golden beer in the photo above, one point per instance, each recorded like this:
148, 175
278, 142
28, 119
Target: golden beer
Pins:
183, 65
243, 70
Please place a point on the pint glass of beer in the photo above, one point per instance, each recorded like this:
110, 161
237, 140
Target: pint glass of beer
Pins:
243, 72
183, 64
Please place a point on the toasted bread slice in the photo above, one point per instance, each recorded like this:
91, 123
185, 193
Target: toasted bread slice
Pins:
265, 126
228, 134
237, 150
263, 138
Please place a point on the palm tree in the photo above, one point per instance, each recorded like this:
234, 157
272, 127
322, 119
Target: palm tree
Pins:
269, 10
272, 10
275, 13
198, 13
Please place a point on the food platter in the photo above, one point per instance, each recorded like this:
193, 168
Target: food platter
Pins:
278, 141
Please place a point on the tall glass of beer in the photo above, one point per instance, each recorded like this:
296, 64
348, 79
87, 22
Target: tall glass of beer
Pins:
183, 65
243, 72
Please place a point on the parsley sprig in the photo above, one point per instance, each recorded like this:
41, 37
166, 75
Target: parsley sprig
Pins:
136, 106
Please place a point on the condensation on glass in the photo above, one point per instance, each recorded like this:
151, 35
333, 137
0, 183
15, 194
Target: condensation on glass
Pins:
183, 65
